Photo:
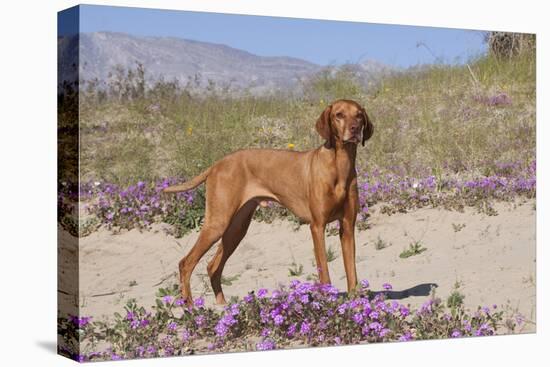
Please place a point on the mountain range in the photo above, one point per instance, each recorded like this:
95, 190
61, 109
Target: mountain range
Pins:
175, 58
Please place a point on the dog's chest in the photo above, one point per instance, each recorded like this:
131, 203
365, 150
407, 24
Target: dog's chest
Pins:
339, 194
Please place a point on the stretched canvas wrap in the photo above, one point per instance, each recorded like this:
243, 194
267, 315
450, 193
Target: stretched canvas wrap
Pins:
240, 183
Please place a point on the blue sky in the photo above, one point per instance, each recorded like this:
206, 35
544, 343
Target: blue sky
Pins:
320, 41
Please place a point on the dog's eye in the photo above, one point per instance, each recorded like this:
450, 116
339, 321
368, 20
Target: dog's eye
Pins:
340, 115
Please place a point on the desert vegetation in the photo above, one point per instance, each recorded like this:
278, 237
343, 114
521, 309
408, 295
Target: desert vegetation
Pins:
449, 136
299, 314
445, 136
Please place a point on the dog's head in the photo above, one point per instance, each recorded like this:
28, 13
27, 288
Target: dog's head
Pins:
345, 121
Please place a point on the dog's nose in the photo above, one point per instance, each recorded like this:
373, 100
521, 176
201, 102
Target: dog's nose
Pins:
353, 128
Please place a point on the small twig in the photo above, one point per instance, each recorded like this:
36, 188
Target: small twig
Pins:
162, 280
107, 294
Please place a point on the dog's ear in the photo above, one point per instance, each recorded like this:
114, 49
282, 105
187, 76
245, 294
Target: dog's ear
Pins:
368, 128
323, 124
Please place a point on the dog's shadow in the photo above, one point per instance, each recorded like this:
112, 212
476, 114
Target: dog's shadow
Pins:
417, 291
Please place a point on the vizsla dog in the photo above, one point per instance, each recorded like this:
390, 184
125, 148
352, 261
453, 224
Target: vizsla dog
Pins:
318, 186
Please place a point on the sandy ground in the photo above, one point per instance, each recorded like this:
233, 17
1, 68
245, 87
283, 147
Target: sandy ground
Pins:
492, 258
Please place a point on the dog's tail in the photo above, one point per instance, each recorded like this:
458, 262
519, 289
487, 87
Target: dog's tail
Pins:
191, 184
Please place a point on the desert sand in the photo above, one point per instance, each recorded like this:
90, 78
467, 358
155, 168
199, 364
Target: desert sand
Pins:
493, 258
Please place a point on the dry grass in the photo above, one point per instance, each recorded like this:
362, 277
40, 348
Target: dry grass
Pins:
438, 119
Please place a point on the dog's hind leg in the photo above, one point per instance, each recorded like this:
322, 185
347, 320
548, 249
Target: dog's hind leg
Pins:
219, 213
230, 240
207, 238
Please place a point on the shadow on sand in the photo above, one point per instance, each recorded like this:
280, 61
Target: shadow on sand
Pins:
416, 291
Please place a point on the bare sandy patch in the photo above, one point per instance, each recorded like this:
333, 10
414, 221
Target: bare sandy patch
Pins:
491, 257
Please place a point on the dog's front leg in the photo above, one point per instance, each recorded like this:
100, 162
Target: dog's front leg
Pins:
318, 234
347, 236
347, 239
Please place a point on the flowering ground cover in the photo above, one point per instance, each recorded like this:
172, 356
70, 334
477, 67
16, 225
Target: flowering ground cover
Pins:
300, 314
400, 192
140, 205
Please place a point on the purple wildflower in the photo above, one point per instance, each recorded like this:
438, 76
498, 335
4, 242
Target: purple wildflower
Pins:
483, 329
278, 320
249, 298
200, 320
375, 326
426, 307
406, 337
185, 335
305, 328
520, 319
80, 322
342, 308
291, 330
221, 329
266, 344
199, 302
358, 318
